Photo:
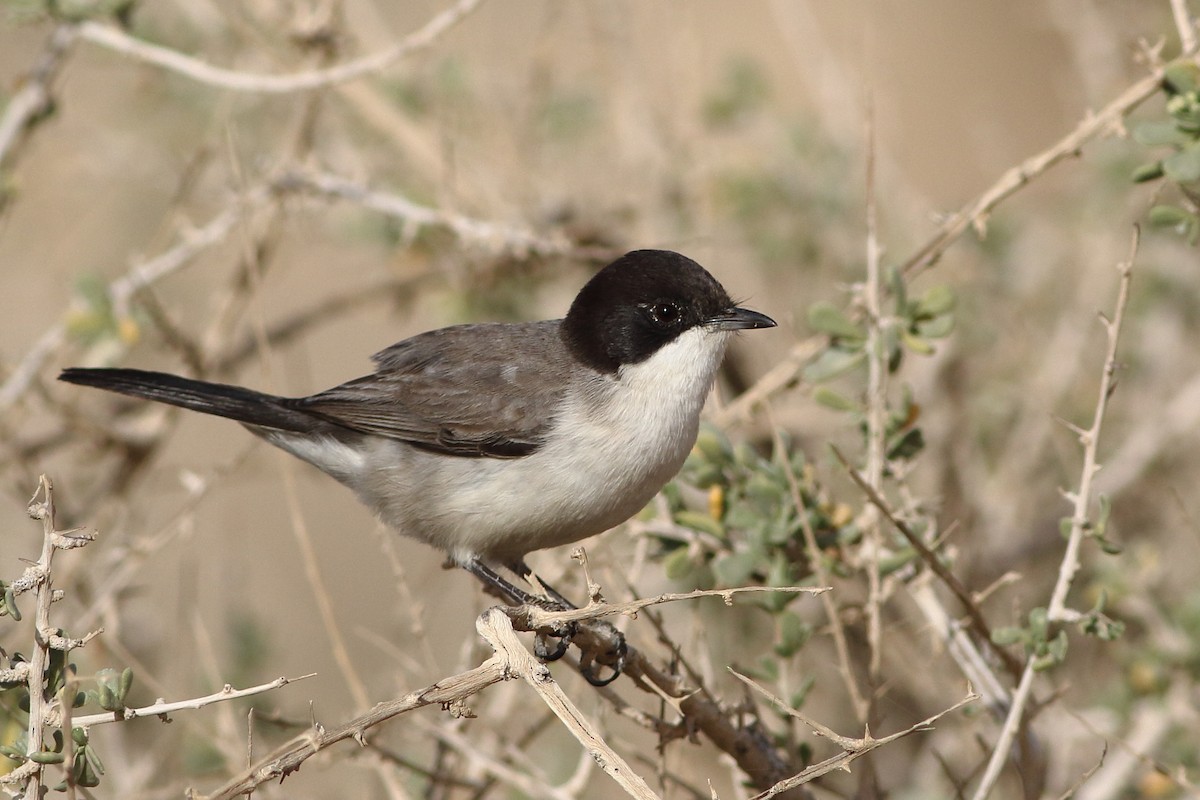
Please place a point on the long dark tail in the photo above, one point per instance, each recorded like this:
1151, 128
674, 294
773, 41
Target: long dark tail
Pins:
232, 402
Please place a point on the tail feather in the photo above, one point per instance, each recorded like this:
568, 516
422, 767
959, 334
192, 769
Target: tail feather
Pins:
218, 399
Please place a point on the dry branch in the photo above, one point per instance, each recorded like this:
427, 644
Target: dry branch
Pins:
975, 213
162, 708
852, 748
496, 238
1081, 499
115, 39
34, 99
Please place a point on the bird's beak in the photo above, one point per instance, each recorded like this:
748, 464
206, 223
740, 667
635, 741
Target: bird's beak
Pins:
738, 319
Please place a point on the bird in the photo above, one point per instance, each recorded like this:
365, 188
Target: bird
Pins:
489, 441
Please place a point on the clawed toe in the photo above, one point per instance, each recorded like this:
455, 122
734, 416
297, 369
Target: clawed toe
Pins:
602, 648
592, 668
561, 639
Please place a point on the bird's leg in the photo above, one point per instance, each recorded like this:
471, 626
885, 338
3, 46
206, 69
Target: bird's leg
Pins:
497, 584
589, 666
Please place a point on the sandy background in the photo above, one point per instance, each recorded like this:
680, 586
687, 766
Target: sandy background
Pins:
732, 132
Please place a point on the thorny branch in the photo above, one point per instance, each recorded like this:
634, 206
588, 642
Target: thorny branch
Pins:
161, 708
975, 213
702, 712
974, 614
1082, 497
46, 637
852, 748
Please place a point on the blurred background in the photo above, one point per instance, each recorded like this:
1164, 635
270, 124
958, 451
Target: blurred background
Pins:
540, 139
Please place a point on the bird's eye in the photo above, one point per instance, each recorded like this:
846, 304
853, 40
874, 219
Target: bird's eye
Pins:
664, 313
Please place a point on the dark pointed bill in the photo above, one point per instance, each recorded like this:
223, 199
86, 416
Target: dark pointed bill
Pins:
738, 319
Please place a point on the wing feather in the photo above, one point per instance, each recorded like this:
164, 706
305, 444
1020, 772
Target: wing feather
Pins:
468, 390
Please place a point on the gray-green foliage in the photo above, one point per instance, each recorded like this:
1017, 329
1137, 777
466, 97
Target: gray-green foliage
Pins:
1179, 132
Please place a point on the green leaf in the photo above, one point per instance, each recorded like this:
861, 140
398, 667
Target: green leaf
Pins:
93, 759
735, 569
793, 634
937, 300
713, 445
1165, 216
780, 573
1182, 76
1057, 647
833, 362
106, 698
124, 684
1147, 172
706, 476
917, 344
46, 757
826, 318
1160, 132
764, 491
1007, 635
1039, 624
678, 564
891, 563
1184, 166
937, 328
84, 774
1105, 512
10, 604
908, 446
1043, 663
699, 521
831, 399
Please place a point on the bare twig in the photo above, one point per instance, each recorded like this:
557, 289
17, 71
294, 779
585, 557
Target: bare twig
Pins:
1185, 24
201, 72
978, 622
876, 413
975, 213
1090, 440
1081, 499
963, 648
161, 708
34, 98
491, 236
287, 758
852, 748
533, 617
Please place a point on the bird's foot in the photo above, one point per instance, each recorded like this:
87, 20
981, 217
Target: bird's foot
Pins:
608, 652
601, 645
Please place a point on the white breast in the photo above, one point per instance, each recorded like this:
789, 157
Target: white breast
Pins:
616, 441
